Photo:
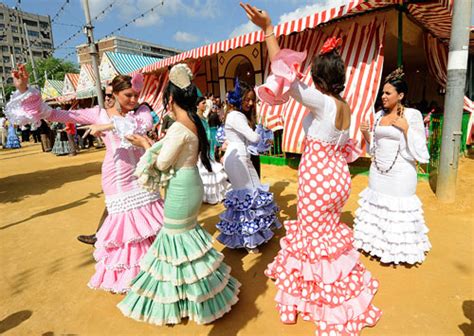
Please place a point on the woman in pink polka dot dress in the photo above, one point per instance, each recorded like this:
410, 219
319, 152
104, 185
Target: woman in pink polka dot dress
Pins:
317, 271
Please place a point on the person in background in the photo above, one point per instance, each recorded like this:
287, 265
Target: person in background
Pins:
3, 130
45, 136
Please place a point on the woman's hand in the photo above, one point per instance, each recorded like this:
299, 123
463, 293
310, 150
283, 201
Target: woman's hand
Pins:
20, 78
364, 126
401, 123
140, 140
258, 17
95, 130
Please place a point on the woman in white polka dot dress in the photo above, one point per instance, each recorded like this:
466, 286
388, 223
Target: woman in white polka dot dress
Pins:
317, 271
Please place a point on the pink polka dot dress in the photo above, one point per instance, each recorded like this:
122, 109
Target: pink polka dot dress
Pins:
317, 271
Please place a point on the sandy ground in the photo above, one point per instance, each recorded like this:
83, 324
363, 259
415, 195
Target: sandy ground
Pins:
46, 201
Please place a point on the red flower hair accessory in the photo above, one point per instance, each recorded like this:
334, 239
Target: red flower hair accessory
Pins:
330, 44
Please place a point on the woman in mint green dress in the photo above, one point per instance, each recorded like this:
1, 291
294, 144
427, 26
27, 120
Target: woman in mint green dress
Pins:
181, 275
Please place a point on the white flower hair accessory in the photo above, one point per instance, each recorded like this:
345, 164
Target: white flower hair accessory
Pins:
181, 75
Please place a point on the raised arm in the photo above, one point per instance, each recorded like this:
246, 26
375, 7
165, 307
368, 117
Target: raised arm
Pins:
261, 19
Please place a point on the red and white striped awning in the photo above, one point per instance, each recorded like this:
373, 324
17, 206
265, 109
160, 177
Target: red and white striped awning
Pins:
435, 16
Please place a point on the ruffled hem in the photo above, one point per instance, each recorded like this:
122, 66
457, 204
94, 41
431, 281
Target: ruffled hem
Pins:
395, 234
249, 218
124, 257
328, 244
215, 183
115, 281
332, 314
132, 226
185, 273
325, 270
182, 247
145, 309
247, 241
166, 292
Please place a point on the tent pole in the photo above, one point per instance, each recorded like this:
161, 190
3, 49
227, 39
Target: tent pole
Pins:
454, 101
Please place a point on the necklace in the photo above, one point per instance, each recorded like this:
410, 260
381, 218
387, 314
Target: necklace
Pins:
374, 151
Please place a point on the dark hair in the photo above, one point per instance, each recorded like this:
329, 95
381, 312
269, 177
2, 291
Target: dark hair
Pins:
397, 79
199, 100
329, 72
186, 99
121, 82
245, 88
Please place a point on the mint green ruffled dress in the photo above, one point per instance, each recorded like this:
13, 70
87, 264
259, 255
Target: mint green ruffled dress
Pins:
181, 275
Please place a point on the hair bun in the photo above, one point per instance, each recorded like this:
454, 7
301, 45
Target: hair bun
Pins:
181, 75
395, 75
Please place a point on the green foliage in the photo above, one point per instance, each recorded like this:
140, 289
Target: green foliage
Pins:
55, 69
9, 89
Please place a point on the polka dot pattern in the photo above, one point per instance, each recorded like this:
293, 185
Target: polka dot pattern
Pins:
317, 234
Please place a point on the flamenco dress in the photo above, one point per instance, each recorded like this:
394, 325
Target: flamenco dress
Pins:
12, 139
181, 275
134, 215
251, 213
389, 222
317, 272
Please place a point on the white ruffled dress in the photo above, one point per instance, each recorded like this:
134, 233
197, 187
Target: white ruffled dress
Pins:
389, 223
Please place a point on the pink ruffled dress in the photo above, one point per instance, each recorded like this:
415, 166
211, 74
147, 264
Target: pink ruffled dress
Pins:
134, 214
317, 271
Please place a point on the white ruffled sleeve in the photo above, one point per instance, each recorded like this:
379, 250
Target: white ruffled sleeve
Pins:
415, 145
27, 108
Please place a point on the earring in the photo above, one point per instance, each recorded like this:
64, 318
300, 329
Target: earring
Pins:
117, 106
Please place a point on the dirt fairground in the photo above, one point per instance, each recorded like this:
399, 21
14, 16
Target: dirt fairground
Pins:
46, 201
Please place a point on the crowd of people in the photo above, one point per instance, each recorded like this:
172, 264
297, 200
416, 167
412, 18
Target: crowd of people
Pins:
155, 252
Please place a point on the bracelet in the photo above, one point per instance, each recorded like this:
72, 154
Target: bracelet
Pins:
269, 35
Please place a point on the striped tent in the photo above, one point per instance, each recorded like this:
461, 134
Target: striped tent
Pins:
86, 84
70, 83
115, 63
362, 50
52, 89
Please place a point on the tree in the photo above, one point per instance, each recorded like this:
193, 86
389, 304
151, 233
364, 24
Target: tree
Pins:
55, 69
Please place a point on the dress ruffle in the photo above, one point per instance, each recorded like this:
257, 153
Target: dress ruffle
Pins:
27, 108
176, 282
122, 241
391, 228
317, 271
215, 182
250, 218
285, 68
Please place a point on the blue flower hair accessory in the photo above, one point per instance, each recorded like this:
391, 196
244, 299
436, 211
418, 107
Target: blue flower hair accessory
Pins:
235, 97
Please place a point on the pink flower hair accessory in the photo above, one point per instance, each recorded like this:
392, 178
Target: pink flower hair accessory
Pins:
330, 44
137, 82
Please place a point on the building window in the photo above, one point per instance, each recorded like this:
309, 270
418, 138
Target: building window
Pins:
9, 80
30, 23
5, 49
8, 70
44, 25
2, 25
47, 45
6, 59
17, 50
37, 54
45, 34
14, 29
33, 33
1, 16
16, 39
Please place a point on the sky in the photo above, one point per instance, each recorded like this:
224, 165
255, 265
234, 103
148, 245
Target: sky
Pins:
179, 24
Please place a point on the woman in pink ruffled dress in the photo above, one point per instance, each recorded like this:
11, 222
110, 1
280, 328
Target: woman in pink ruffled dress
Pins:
134, 215
317, 271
